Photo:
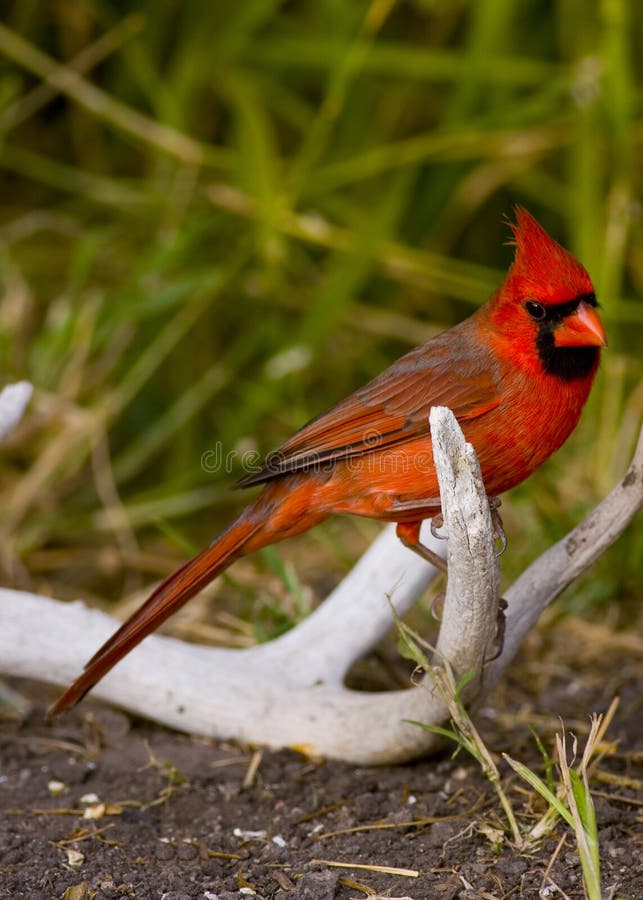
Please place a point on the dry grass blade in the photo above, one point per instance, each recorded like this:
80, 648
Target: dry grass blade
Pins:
410, 823
253, 768
387, 870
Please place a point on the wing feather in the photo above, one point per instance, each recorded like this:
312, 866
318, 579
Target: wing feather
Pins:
393, 408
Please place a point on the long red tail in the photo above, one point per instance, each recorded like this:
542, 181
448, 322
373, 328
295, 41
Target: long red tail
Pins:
166, 600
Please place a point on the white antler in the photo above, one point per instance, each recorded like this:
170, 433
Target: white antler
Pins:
290, 692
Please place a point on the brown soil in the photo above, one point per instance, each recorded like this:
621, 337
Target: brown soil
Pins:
141, 812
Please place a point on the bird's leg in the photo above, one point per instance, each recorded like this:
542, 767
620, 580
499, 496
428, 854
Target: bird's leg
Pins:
409, 534
496, 521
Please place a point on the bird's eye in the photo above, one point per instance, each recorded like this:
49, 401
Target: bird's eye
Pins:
535, 310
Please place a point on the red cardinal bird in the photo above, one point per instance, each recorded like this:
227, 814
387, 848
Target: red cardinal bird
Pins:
516, 374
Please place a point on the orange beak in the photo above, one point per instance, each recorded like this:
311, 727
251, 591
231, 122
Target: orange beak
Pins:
582, 329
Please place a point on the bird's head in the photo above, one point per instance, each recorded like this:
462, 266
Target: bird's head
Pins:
547, 302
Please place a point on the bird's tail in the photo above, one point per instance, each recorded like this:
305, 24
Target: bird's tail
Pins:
170, 596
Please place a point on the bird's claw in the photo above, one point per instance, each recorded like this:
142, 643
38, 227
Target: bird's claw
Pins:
501, 624
437, 607
498, 528
436, 524
501, 546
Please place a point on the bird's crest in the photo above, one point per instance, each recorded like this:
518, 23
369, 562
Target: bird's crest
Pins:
542, 268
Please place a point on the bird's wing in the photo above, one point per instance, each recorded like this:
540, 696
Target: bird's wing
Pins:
392, 408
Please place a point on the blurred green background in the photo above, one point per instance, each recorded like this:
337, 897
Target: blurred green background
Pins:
220, 218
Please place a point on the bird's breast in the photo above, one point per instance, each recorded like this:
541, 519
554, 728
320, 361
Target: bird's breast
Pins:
534, 419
